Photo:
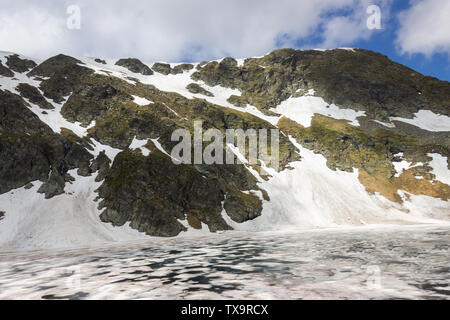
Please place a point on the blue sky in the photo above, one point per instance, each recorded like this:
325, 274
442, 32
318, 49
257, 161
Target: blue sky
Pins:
415, 33
436, 65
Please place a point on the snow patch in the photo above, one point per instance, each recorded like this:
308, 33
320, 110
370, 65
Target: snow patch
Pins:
302, 109
403, 165
65, 221
110, 152
427, 120
313, 196
440, 169
140, 144
388, 125
141, 101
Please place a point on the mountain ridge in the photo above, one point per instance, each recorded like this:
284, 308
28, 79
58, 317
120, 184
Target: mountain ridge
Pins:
364, 119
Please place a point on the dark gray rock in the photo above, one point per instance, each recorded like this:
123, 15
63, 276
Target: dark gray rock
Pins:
5, 72
242, 207
163, 68
153, 193
33, 95
53, 186
102, 165
195, 88
15, 63
63, 74
135, 65
181, 68
29, 149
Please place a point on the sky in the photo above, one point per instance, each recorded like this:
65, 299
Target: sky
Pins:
415, 33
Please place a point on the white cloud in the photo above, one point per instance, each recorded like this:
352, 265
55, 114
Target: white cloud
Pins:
346, 29
425, 28
172, 30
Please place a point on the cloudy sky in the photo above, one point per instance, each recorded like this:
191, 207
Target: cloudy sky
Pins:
413, 32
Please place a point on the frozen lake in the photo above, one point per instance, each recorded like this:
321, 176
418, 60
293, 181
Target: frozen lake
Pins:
402, 262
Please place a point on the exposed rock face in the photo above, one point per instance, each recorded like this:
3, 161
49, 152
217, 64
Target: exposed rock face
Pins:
163, 68
63, 73
181, 68
101, 164
242, 207
154, 194
33, 95
53, 186
195, 88
29, 149
5, 72
15, 63
135, 65
166, 69
91, 99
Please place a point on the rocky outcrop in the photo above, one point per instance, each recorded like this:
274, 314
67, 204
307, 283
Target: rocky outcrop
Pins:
154, 194
5, 72
166, 69
195, 88
33, 95
242, 207
30, 150
183, 67
17, 64
101, 164
135, 65
163, 68
62, 74
91, 98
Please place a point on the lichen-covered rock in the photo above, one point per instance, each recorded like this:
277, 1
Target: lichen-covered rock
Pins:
242, 207
92, 98
30, 150
53, 186
33, 95
181, 68
153, 193
163, 68
101, 164
195, 88
5, 72
62, 74
135, 65
17, 64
